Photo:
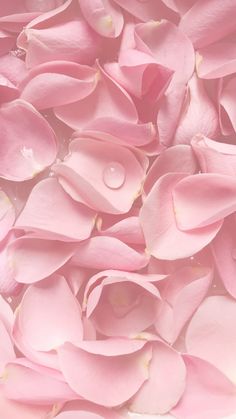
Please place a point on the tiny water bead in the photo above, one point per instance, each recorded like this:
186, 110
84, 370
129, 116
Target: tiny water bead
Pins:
114, 175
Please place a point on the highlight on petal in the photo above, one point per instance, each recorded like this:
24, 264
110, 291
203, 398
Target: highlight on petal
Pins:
107, 100
205, 22
164, 41
197, 103
120, 303
210, 335
52, 214
223, 250
104, 252
8, 284
209, 394
57, 83
128, 230
104, 16
166, 382
214, 156
46, 329
34, 259
164, 239
27, 141
101, 378
12, 71
104, 176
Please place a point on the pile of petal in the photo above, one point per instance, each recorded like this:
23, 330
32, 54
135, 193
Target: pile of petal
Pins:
117, 208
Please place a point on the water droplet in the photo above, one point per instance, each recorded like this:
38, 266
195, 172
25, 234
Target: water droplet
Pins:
233, 254
114, 175
18, 52
9, 300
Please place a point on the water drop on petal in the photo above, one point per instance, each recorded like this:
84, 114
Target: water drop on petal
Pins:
114, 175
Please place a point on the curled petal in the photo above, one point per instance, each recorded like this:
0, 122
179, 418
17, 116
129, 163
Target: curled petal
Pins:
216, 60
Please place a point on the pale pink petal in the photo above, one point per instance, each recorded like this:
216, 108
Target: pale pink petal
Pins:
208, 21
166, 382
176, 159
13, 409
202, 199
183, 293
120, 132
216, 60
146, 10
6, 314
79, 409
29, 383
104, 176
108, 98
7, 215
104, 16
165, 41
223, 249
122, 304
214, 156
210, 334
58, 322
8, 284
197, 103
57, 83
7, 42
34, 259
7, 353
28, 141
101, 379
163, 238
227, 100
208, 395
140, 74
103, 252
127, 230
73, 221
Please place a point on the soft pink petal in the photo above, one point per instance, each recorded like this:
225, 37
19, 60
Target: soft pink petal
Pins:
85, 175
7, 353
203, 199
73, 221
165, 41
26, 382
166, 382
146, 10
127, 230
8, 284
184, 292
216, 60
57, 83
104, 252
208, 395
79, 409
214, 156
208, 21
210, 334
28, 141
108, 98
198, 103
176, 159
101, 379
122, 304
163, 238
58, 322
227, 100
12, 409
7, 215
223, 249
34, 259
7, 42
104, 16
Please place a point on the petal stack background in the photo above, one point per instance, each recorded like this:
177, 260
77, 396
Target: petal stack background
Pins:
117, 209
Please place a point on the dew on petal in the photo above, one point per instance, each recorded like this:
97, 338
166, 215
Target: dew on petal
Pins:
114, 175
